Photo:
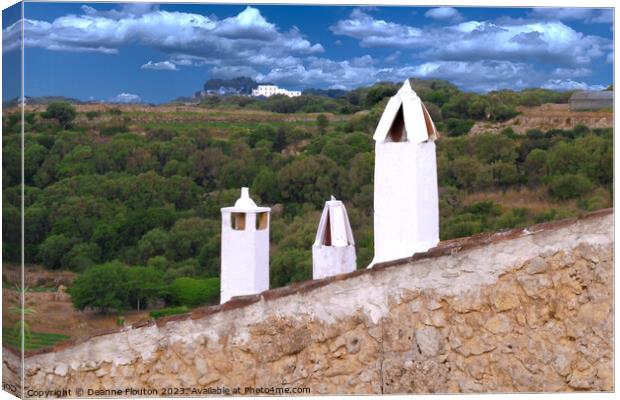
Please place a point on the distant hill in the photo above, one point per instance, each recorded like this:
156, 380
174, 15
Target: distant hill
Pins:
42, 100
235, 86
331, 93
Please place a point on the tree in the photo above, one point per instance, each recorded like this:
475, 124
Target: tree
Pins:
62, 112
362, 170
569, 186
265, 184
470, 174
103, 287
187, 237
505, 174
291, 265
535, 166
53, 249
153, 243
82, 256
311, 180
322, 123
145, 285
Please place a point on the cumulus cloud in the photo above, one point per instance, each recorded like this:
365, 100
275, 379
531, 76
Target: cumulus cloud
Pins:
515, 40
233, 72
475, 55
125, 98
373, 33
479, 76
231, 40
569, 84
444, 13
324, 72
161, 65
589, 15
571, 72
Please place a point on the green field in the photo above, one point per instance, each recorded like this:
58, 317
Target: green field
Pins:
36, 340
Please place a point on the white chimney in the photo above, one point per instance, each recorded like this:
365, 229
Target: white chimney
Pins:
245, 248
406, 203
333, 251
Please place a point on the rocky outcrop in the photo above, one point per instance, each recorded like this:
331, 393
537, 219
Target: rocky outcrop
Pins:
520, 311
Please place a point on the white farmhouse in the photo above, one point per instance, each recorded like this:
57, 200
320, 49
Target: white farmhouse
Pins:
271, 90
245, 248
406, 209
333, 251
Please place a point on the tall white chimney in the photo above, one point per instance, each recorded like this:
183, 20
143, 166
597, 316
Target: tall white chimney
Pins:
406, 203
333, 251
245, 248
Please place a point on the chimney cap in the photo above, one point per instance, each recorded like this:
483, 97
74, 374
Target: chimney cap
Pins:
418, 123
245, 203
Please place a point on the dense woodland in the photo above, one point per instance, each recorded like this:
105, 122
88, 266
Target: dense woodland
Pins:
134, 207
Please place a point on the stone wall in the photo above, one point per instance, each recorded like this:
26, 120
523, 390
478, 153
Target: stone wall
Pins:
525, 310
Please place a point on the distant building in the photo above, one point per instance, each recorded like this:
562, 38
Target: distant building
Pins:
586, 100
271, 90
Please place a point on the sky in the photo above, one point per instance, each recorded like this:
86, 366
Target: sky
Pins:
156, 53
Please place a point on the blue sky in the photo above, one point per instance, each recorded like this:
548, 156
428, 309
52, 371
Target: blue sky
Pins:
155, 53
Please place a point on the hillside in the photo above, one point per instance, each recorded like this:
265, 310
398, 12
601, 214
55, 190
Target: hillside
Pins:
547, 117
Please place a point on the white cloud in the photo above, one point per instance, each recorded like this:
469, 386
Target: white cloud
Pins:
610, 58
479, 76
571, 72
233, 72
513, 40
569, 84
321, 72
231, 40
372, 32
161, 65
589, 15
125, 98
444, 13
393, 57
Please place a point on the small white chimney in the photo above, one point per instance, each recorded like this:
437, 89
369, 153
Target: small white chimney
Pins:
333, 251
245, 248
406, 203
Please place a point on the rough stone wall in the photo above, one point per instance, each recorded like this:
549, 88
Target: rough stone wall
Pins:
529, 313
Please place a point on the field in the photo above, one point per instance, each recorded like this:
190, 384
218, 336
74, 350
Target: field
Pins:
33, 341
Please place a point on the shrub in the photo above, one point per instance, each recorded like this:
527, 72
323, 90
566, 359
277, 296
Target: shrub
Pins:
164, 312
92, 114
458, 127
62, 112
191, 292
114, 129
569, 186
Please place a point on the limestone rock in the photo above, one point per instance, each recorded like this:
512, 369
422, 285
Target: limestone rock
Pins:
429, 340
499, 323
